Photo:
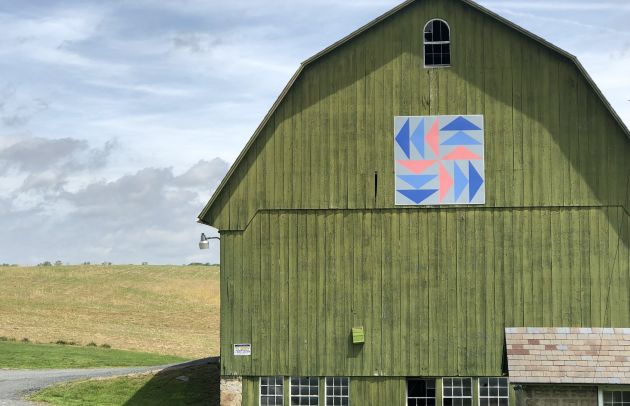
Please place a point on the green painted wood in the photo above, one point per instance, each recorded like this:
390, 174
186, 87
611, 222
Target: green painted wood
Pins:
330, 287
436, 313
320, 235
585, 271
406, 292
518, 118
250, 391
264, 322
365, 289
546, 270
348, 272
312, 244
466, 257
257, 294
224, 321
567, 255
381, 391
438, 392
538, 273
488, 299
346, 268
331, 159
295, 290
242, 315
387, 290
376, 262
358, 293
349, 126
282, 292
556, 270
312, 129
499, 282
333, 130
287, 393
312, 298
339, 299
450, 261
276, 293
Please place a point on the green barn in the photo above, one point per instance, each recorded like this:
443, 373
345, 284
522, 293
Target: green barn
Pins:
433, 212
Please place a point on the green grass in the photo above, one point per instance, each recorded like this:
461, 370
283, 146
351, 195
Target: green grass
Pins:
17, 355
163, 388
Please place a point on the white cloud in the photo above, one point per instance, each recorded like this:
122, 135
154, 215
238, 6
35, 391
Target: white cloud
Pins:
148, 215
615, 6
49, 39
148, 89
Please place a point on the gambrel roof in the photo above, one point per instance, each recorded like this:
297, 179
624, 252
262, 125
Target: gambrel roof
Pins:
366, 27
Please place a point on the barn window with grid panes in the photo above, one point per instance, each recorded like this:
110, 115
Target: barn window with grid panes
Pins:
615, 397
437, 44
337, 391
271, 391
420, 392
304, 390
457, 392
494, 392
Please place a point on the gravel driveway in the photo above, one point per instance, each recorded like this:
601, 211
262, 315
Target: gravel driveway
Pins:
15, 384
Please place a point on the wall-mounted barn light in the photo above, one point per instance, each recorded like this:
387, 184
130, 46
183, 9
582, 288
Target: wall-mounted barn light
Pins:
204, 243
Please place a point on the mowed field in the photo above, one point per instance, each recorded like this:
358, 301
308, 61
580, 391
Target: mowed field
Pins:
161, 309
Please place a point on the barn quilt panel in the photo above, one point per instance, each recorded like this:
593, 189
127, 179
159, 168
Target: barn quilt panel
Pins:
439, 160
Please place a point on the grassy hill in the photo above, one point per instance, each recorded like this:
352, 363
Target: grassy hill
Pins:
14, 355
160, 309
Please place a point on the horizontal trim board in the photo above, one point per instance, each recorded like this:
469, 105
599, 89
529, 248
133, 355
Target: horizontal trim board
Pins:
427, 209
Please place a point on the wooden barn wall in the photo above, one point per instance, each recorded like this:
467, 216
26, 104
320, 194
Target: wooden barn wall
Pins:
433, 288
549, 139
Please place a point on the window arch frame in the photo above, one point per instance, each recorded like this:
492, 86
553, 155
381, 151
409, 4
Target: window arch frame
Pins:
425, 43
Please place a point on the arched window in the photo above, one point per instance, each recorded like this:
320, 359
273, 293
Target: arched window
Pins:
437, 43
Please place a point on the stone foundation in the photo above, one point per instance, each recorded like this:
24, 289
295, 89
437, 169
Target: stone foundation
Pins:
231, 391
556, 395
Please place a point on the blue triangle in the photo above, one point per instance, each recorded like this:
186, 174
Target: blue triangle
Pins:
403, 138
460, 124
475, 181
417, 181
461, 138
417, 138
417, 196
460, 181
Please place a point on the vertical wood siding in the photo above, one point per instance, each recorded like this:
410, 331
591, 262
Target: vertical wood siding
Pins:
549, 139
312, 244
433, 289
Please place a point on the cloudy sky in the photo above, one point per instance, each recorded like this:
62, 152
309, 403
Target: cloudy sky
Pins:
118, 119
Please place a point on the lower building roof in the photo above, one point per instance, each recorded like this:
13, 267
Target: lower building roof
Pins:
568, 355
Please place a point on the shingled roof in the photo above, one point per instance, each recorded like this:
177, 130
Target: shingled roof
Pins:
568, 355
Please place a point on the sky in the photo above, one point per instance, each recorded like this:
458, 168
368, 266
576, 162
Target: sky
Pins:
118, 119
